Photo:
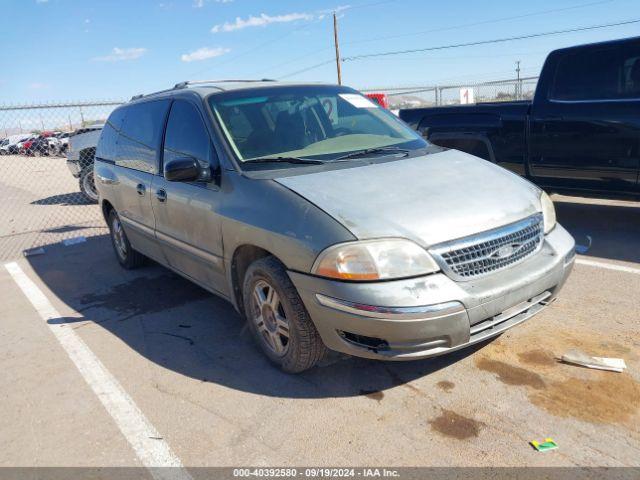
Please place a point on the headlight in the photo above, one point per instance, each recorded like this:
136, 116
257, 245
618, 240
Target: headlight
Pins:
374, 260
548, 212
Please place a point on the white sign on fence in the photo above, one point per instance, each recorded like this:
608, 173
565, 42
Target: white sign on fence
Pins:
466, 96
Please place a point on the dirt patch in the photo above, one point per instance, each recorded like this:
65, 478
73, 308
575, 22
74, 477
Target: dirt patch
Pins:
376, 395
607, 398
445, 386
564, 390
510, 374
452, 424
538, 357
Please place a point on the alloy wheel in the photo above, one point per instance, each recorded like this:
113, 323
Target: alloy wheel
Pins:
119, 238
270, 318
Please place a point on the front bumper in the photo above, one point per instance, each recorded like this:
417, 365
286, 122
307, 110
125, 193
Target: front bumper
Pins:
74, 167
431, 315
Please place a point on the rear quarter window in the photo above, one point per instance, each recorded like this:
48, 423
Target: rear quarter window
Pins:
139, 139
106, 148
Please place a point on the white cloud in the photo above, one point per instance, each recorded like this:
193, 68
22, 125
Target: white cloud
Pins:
260, 21
204, 53
38, 86
119, 54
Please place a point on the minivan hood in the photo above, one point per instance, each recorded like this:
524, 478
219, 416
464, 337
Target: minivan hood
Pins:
428, 199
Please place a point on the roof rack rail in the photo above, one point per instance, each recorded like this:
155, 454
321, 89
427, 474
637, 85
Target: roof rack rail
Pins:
204, 82
136, 97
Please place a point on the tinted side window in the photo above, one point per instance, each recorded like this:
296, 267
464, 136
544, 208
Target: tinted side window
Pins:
106, 148
139, 139
186, 134
602, 74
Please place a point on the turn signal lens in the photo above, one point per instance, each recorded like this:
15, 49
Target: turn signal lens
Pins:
548, 212
374, 260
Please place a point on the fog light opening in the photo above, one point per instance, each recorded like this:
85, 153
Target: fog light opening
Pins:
371, 343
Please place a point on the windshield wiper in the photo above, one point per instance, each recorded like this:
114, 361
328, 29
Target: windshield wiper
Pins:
295, 160
370, 151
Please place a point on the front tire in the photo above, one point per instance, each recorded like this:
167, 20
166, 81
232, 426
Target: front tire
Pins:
278, 319
127, 256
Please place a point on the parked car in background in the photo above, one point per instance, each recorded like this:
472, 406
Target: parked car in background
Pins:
25, 144
580, 134
63, 138
80, 155
38, 146
326, 221
12, 146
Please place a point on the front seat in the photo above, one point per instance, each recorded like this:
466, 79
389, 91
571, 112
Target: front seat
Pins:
289, 132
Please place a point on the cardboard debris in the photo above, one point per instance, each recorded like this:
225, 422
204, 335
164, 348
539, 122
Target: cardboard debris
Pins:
577, 357
74, 240
548, 444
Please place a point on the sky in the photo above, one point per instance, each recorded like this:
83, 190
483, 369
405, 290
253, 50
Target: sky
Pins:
72, 50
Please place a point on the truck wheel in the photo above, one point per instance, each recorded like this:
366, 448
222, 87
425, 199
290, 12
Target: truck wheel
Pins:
278, 319
127, 256
88, 186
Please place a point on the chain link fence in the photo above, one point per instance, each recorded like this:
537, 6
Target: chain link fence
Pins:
42, 201
46, 158
416, 96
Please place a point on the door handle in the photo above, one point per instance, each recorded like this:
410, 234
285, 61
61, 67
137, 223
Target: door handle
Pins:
140, 189
161, 195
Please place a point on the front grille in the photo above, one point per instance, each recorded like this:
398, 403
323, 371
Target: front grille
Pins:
491, 251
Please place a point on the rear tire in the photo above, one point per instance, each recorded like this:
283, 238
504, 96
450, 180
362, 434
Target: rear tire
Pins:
88, 186
277, 318
127, 256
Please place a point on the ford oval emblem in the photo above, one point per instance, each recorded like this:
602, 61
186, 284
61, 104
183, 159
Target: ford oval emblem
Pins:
505, 251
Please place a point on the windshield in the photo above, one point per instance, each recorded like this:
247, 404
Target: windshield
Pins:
311, 122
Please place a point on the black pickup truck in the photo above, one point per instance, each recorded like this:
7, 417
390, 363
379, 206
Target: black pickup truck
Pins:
580, 134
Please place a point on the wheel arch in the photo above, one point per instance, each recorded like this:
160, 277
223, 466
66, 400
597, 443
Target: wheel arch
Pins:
106, 209
243, 256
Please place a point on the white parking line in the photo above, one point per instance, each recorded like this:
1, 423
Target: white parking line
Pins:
608, 266
151, 449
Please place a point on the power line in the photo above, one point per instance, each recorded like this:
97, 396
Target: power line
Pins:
485, 42
307, 69
474, 24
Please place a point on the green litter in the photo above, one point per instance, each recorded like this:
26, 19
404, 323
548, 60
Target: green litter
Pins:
548, 444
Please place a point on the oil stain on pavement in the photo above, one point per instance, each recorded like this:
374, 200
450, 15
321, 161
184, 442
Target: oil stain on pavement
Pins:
454, 425
510, 374
445, 385
376, 395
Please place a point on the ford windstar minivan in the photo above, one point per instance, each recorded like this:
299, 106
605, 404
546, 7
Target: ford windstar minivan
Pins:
326, 221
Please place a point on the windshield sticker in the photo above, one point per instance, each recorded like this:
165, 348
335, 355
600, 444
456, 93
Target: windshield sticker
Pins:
357, 101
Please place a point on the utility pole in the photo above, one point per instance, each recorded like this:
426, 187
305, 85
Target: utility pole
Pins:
518, 86
335, 41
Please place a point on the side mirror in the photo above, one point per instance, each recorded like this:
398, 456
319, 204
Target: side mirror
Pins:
183, 169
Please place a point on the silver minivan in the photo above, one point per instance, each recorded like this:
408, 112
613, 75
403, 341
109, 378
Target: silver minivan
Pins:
326, 221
